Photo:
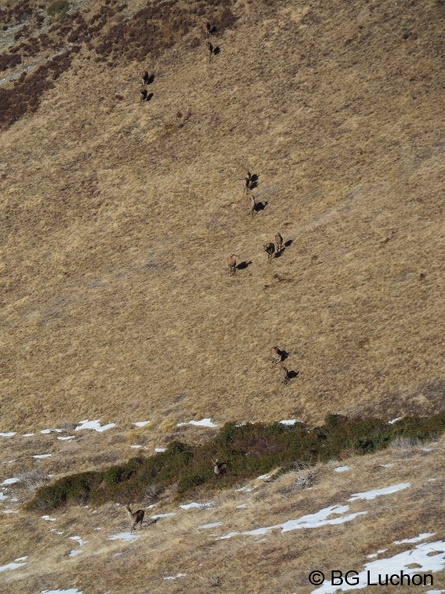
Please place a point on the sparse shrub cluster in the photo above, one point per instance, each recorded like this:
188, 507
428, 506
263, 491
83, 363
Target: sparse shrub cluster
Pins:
25, 96
248, 450
58, 8
158, 26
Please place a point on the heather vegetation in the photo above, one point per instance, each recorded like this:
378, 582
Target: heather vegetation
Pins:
248, 450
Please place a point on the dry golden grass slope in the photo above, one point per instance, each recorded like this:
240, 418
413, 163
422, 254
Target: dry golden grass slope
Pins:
117, 218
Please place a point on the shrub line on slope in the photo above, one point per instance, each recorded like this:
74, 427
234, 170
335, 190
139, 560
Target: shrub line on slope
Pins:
248, 450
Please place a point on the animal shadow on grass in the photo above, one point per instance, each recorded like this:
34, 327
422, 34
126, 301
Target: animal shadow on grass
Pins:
287, 244
243, 265
284, 355
259, 206
216, 51
293, 374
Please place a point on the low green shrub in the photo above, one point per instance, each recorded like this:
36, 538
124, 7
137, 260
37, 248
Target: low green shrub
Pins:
248, 450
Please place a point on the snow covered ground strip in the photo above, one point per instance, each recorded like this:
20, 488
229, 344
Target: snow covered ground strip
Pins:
426, 557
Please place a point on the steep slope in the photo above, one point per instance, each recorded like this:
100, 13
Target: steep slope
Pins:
118, 217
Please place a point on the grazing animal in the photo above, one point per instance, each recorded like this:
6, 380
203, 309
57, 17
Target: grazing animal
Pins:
269, 248
278, 242
210, 30
211, 49
136, 517
231, 263
148, 79
219, 468
285, 377
145, 95
252, 205
276, 354
250, 181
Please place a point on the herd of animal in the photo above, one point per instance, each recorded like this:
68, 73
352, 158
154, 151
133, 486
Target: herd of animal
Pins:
272, 249
148, 79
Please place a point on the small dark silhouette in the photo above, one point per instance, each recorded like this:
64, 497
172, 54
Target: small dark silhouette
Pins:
288, 243
243, 265
148, 79
210, 30
145, 95
251, 181
260, 206
213, 51
269, 248
278, 355
278, 242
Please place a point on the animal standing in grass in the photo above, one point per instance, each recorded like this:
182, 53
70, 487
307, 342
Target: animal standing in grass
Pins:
269, 248
276, 355
219, 468
252, 205
278, 242
231, 263
148, 79
285, 377
136, 517
145, 95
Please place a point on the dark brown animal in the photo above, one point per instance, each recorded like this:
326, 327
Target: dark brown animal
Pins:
136, 517
145, 95
269, 248
148, 79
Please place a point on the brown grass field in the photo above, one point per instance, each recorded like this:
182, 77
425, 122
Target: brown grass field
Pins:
116, 304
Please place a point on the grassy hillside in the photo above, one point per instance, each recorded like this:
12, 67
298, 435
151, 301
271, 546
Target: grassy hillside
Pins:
117, 217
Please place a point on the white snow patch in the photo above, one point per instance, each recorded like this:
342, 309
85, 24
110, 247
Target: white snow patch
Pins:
160, 449
387, 465
28, 434
377, 492
427, 450
47, 431
67, 438
10, 511
137, 447
79, 540
128, 536
10, 481
14, 565
163, 515
41, 456
321, 518
422, 536
194, 505
202, 423
379, 552
392, 421
175, 577
289, 422
208, 526
3, 497
94, 425
70, 591
342, 468
141, 423
242, 506
428, 557
48, 518
263, 477
75, 552
10, 434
